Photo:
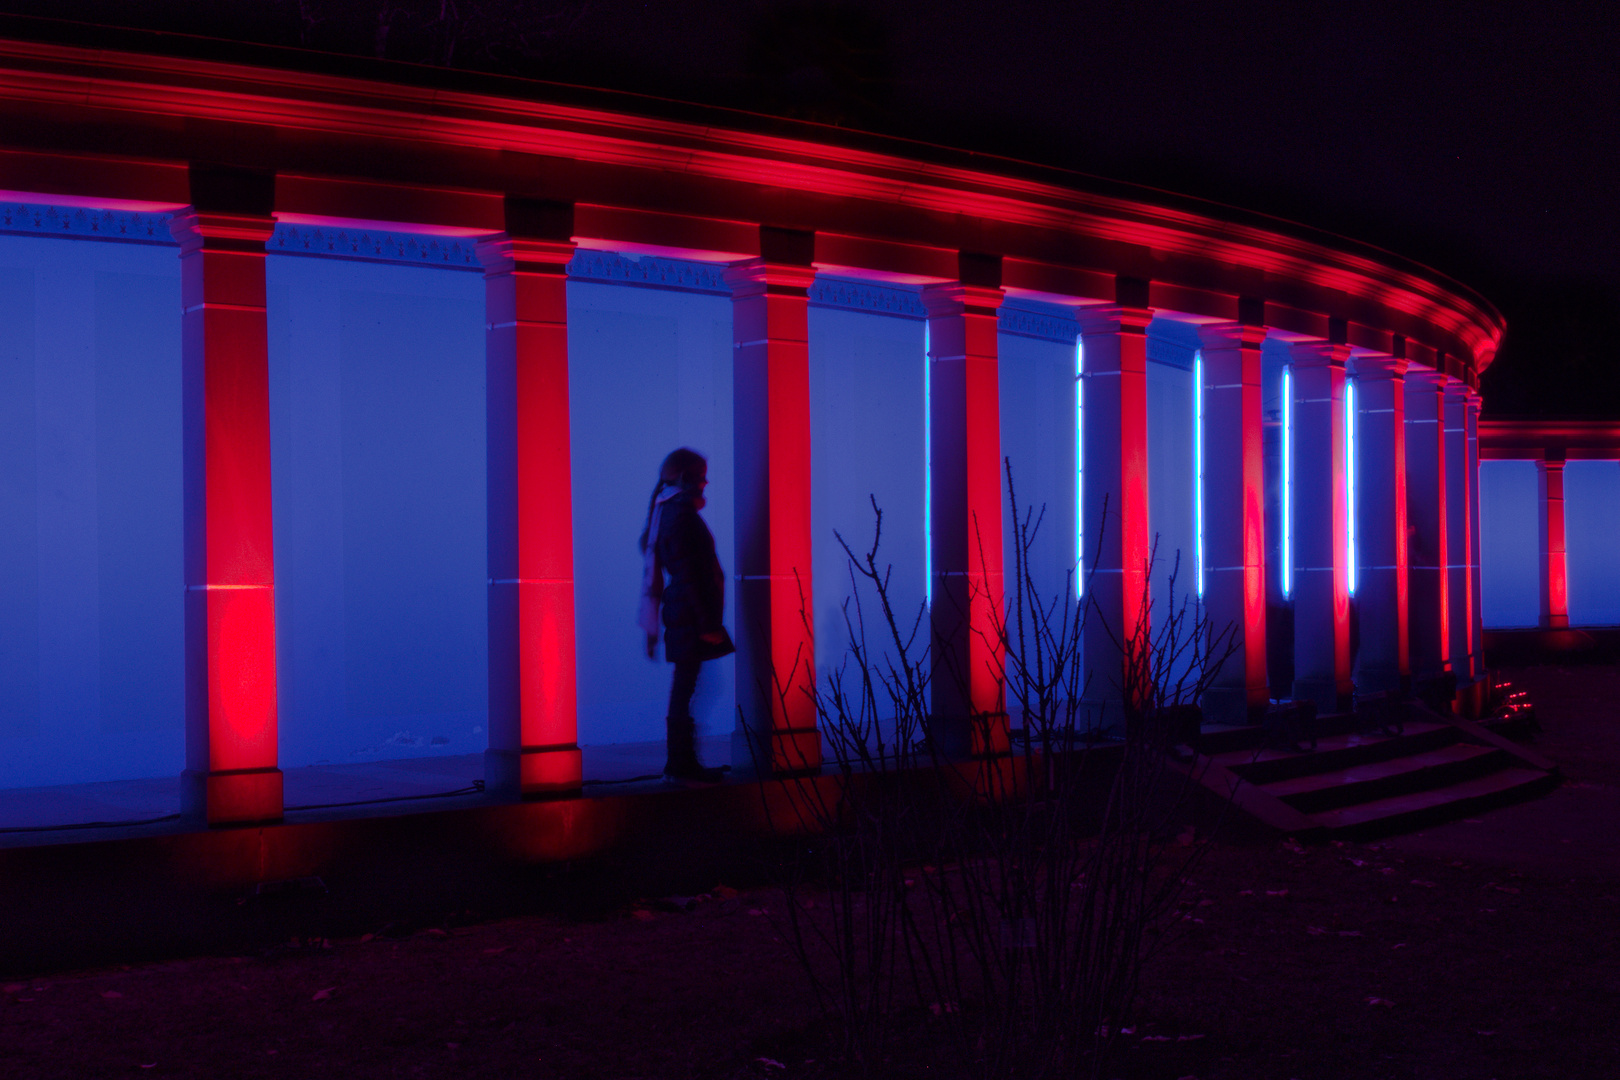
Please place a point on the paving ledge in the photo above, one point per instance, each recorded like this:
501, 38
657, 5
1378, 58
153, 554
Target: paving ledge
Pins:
176, 892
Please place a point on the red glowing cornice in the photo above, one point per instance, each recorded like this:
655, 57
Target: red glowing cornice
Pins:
183, 88
1538, 439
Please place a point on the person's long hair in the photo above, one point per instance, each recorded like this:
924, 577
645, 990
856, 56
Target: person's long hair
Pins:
683, 468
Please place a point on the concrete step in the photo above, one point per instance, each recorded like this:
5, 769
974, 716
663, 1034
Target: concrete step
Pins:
1417, 809
1379, 779
1336, 752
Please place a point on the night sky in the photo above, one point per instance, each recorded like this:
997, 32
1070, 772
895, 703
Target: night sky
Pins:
1479, 139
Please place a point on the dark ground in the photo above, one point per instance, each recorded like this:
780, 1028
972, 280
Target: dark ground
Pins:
1485, 948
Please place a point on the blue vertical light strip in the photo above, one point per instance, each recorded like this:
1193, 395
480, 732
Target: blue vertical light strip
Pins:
1288, 482
1198, 466
1350, 483
928, 468
1079, 467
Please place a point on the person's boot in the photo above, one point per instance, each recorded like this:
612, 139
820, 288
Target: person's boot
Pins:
681, 765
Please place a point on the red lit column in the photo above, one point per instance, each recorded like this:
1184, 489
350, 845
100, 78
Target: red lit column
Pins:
1234, 517
1459, 541
964, 477
1554, 583
1383, 661
1321, 584
1114, 519
1426, 518
231, 774
533, 726
776, 653
1476, 653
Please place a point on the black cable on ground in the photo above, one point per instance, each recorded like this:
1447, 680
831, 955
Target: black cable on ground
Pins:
477, 788
90, 825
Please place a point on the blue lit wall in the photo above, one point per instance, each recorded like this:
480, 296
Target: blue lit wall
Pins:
1170, 466
1038, 436
90, 572
377, 462
866, 437
1591, 523
1510, 576
649, 370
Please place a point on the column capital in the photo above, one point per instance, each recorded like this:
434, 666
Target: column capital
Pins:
1425, 379
504, 254
1113, 319
1456, 390
1318, 354
196, 229
1476, 403
956, 298
756, 277
1552, 460
1372, 368
1231, 335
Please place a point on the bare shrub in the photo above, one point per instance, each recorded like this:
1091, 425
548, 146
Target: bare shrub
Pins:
991, 917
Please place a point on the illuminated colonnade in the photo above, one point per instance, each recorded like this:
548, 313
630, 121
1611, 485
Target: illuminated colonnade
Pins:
1394, 522
1548, 510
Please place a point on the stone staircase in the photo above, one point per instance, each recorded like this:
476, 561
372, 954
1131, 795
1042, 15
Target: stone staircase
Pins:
1363, 783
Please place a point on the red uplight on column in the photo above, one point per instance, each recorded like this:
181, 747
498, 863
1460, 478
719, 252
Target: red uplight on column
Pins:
231, 766
533, 714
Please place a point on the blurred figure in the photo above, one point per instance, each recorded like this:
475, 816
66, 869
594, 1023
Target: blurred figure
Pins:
682, 576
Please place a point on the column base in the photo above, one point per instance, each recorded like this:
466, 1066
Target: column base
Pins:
788, 752
231, 796
986, 735
1379, 680
1471, 700
1437, 691
533, 771
1324, 693
1101, 718
1233, 705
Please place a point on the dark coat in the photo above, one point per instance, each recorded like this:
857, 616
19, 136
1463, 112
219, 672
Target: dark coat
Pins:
695, 597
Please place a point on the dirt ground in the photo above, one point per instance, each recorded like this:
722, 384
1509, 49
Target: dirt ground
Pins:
1483, 948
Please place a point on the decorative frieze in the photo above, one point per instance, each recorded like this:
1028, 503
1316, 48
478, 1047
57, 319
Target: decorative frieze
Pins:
649, 271
1048, 326
372, 245
85, 222
864, 296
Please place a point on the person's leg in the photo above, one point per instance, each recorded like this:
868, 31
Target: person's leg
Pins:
682, 687
682, 761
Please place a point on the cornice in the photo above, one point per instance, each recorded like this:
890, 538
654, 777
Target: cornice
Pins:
347, 106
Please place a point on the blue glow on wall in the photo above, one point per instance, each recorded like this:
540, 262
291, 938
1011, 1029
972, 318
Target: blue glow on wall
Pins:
1172, 348
1079, 465
928, 468
648, 370
1350, 556
1035, 380
377, 460
866, 425
1509, 551
1288, 482
1198, 465
1591, 523
91, 629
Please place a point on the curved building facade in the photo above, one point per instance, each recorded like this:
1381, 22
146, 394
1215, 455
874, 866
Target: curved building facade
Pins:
332, 401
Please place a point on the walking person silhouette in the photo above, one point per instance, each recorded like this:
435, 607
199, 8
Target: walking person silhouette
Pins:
682, 581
